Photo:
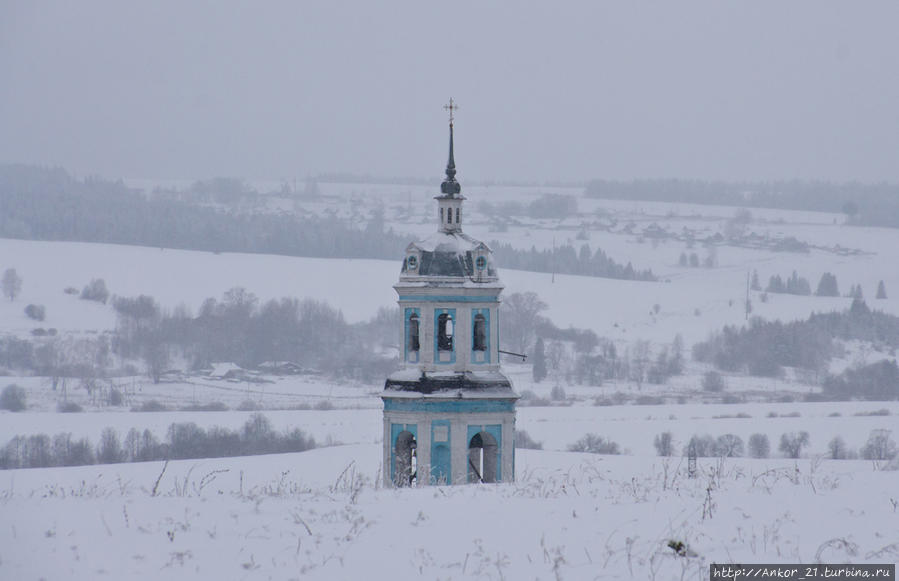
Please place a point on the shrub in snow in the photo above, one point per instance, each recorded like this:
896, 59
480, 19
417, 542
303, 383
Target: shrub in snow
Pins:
759, 446
703, 446
595, 444
36, 312
95, 290
880, 446
664, 444
151, 406
524, 440
12, 398
837, 449
68, 407
729, 446
791, 444
324, 405
249, 405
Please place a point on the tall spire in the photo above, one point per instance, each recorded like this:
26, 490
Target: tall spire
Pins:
450, 186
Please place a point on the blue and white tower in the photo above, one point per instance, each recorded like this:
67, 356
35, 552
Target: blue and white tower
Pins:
449, 414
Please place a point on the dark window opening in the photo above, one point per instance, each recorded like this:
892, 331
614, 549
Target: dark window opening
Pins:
479, 338
406, 461
445, 332
458, 211
441, 215
449, 215
414, 344
482, 458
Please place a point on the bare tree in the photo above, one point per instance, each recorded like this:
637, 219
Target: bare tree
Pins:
520, 315
880, 446
791, 444
759, 446
664, 444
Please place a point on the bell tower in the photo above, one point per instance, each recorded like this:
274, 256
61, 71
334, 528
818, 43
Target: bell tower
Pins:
449, 414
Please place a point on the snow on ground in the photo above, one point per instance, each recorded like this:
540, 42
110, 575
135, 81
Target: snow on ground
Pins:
322, 515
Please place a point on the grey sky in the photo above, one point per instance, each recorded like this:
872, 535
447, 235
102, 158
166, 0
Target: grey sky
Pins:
729, 90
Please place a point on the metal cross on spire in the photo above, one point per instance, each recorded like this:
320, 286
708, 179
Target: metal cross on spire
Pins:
452, 107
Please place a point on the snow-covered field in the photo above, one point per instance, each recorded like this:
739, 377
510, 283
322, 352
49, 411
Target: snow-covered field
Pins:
322, 514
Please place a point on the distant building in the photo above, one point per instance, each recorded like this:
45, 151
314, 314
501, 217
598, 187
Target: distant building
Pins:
449, 414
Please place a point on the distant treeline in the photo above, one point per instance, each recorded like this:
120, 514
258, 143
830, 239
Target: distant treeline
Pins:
765, 347
567, 260
865, 204
48, 204
183, 441
238, 328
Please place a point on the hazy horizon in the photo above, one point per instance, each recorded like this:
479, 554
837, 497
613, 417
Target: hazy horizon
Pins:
570, 92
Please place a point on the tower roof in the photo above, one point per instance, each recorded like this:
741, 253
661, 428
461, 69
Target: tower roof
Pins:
450, 187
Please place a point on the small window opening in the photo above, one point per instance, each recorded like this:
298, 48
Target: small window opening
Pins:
482, 458
405, 472
445, 332
479, 339
441, 215
414, 344
449, 215
458, 211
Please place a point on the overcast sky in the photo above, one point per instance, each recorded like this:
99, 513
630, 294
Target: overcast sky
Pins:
552, 91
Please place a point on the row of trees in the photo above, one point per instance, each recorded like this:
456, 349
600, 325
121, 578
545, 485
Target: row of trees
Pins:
879, 446
238, 328
183, 441
567, 260
765, 347
797, 285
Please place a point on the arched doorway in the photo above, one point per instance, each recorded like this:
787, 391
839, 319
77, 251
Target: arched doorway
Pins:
482, 458
405, 468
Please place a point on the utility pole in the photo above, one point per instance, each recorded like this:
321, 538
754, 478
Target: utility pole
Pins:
746, 304
553, 260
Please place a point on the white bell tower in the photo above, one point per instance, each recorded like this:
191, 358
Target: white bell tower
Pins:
449, 414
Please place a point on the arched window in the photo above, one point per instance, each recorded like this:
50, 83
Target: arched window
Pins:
482, 458
413, 342
479, 333
449, 215
445, 332
458, 212
441, 215
405, 471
